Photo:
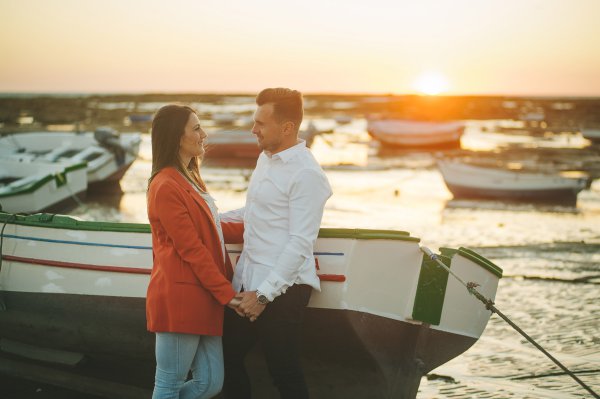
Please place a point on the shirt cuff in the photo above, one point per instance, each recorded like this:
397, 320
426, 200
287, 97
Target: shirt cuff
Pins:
273, 286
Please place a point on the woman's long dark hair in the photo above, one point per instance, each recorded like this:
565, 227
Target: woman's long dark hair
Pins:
168, 126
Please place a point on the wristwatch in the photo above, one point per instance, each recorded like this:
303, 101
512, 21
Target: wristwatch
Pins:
261, 298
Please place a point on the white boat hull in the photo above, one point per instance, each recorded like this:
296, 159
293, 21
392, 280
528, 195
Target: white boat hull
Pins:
102, 164
470, 181
414, 134
43, 186
82, 286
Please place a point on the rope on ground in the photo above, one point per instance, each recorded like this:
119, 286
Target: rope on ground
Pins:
489, 304
76, 198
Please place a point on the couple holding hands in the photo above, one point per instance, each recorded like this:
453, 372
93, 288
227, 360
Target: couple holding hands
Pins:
206, 316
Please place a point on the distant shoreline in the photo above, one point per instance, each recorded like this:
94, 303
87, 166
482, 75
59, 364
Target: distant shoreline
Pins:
27, 94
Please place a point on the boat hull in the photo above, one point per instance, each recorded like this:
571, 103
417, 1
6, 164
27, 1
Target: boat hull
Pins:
388, 361
566, 196
56, 188
472, 181
103, 164
399, 133
385, 314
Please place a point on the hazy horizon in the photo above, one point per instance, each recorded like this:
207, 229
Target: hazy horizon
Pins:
525, 48
253, 94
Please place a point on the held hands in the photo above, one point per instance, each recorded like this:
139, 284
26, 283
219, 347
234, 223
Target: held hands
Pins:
235, 302
246, 305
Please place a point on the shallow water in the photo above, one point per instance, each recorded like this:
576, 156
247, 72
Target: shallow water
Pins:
550, 254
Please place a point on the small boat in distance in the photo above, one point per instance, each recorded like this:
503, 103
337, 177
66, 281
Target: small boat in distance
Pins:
342, 119
107, 153
242, 145
472, 181
408, 133
386, 314
591, 134
28, 187
224, 118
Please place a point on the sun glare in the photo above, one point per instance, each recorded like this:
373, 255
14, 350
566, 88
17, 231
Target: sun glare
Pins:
431, 83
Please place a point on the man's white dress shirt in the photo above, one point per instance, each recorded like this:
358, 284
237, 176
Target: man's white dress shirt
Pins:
282, 216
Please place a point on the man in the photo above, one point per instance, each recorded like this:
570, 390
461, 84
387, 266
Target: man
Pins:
276, 270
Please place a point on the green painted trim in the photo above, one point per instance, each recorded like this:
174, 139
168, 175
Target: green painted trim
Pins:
366, 234
60, 178
474, 257
75, 166
67, 222
481, 260
431, 290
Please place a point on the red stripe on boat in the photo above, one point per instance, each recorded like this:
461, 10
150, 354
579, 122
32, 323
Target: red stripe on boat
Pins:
332, 277
120, 269
46, 262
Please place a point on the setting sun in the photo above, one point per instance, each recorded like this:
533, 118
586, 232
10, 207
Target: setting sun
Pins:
431, 83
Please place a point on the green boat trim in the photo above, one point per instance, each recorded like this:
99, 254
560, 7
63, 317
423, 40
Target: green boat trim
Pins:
475, 257
367, 234
431, 290
59, 177
68, 222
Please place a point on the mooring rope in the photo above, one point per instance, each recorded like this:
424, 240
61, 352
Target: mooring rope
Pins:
489, 304
76, 198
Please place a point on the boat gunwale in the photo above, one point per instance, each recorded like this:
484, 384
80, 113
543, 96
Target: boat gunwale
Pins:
49, 220
474, 257
43, 180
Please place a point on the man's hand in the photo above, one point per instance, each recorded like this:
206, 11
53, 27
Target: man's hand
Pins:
249, 306
235, 303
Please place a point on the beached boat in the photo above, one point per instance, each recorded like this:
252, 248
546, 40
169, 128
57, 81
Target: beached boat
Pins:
224, 118
406, 133
386, 314
241, 144
231, 144
140, 118
591, 134
108, 155
342, 119
32, 187
472, 181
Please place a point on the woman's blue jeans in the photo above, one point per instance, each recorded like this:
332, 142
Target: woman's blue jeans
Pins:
176, 355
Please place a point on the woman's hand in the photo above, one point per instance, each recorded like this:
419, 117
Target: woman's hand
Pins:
235, 303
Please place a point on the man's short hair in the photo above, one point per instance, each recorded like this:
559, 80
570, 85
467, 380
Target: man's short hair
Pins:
287, 104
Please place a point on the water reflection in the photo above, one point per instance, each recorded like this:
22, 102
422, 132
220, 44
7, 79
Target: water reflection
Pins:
550, 261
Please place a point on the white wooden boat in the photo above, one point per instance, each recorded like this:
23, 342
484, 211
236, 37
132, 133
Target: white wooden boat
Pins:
231, 144
343, 119
386, 314
108, 155
224, 118
591, 134
406, 133
32, 187
471, 181
242, 144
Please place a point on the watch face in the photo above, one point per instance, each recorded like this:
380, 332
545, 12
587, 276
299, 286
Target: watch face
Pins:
262, 300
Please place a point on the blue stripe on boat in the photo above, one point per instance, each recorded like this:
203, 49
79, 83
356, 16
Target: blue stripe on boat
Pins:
97, 244
93, 244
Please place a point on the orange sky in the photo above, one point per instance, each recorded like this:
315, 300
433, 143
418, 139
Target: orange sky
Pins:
530, 47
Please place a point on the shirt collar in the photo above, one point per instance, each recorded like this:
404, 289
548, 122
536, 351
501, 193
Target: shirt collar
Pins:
290, 153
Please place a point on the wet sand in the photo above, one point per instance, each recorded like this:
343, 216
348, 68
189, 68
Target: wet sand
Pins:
550, 253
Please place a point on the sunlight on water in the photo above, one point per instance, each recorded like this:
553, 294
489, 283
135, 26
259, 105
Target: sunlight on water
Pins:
542, 249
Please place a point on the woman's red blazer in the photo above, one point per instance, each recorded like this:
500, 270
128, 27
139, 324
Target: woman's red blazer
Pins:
190, 281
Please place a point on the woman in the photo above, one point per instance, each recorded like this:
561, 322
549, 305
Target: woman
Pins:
190, 280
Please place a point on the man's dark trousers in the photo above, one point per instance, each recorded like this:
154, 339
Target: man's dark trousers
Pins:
278, 330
